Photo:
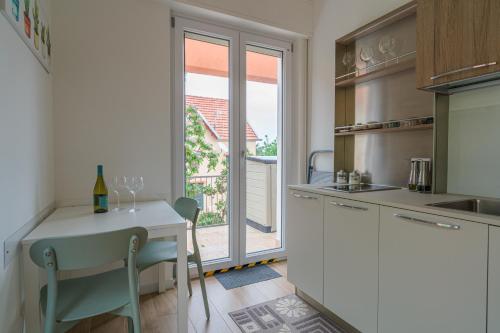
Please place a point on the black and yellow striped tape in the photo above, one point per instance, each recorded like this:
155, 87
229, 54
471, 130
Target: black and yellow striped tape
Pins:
252, 264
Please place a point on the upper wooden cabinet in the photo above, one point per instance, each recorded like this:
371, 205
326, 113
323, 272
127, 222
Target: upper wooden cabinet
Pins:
456, 40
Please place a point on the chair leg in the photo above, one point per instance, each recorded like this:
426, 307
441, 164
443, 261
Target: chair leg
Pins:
137, 324
189, 283
130, 324
49, 326
134, 321
202, 284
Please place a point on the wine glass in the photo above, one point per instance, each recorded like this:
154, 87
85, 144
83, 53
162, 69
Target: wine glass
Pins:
135, 185
117, 185
122, 182
114, 188
387, 46
366, 55
348, 60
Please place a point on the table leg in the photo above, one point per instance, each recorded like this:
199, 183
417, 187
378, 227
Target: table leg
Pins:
31, 277
162, 277
182, 292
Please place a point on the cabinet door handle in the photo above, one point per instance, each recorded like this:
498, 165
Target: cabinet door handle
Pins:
301, 196
450, 226
464, 69
347, 206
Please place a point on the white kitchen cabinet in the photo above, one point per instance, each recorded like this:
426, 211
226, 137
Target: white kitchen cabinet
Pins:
433, 273
304, 231
494, 280
351, 262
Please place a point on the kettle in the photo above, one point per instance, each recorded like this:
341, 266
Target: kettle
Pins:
412, 182
424, 182
420, 175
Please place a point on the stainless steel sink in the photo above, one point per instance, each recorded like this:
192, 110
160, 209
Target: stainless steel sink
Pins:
481, 206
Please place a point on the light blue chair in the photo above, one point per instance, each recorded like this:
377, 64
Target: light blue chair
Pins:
65, 302
155, 252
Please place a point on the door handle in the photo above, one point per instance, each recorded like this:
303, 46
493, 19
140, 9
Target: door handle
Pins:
301, 196
338, 204
464, 69
442, 225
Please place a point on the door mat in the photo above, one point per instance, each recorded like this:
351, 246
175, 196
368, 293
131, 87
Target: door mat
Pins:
285, 314
245, 276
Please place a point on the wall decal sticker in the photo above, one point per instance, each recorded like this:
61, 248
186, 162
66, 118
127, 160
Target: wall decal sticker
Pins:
15, 9
31, 20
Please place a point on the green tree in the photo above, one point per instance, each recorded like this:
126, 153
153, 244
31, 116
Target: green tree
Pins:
267, 148
198, 152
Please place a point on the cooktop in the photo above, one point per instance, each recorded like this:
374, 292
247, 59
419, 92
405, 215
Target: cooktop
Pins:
360, 188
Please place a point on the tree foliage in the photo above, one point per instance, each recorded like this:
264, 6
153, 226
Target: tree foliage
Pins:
198, 153
267, 148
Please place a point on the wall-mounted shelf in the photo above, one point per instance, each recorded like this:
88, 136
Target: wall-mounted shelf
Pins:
387, 130
375, 80
388, 67
410, 124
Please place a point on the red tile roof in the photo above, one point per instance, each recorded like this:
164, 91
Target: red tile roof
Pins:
214, 112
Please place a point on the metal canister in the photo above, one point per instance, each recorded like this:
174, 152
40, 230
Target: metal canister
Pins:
342, 177
354, 178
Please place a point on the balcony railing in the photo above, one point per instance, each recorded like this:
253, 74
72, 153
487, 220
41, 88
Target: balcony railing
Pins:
261, 205
204, 190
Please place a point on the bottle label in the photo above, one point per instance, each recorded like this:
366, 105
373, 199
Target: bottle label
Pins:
103, 201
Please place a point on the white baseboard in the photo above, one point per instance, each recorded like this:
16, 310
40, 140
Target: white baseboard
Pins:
150, 288
12, 245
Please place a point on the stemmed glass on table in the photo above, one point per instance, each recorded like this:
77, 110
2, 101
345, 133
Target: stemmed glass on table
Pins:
118, 184
134, 184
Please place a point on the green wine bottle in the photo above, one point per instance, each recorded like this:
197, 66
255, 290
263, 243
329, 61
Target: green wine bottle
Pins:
100, 193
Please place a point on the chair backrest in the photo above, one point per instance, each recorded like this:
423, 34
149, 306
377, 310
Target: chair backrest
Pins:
80, 252
188, 209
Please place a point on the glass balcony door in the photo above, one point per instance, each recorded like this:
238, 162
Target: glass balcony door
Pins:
229, 146
206, 139
263, 64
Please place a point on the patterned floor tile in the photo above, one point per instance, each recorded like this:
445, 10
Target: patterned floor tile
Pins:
286, 314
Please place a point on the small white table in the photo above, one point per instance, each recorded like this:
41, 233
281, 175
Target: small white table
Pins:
157, 217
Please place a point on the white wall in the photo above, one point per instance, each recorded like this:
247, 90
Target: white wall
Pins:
111, 95
331, 20
291, 15
473, 143
112, 89
26, 156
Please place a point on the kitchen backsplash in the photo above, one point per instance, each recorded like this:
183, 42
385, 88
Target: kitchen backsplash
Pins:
474, 143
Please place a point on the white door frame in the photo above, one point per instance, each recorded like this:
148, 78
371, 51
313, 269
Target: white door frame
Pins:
237, 110
183, 25
284, 140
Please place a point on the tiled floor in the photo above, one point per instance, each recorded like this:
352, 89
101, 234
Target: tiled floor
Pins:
158, 312
214, 244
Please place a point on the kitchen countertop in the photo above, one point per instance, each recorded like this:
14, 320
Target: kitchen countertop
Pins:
405, 199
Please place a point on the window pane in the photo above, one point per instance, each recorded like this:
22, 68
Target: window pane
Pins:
207, 143
263, 144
